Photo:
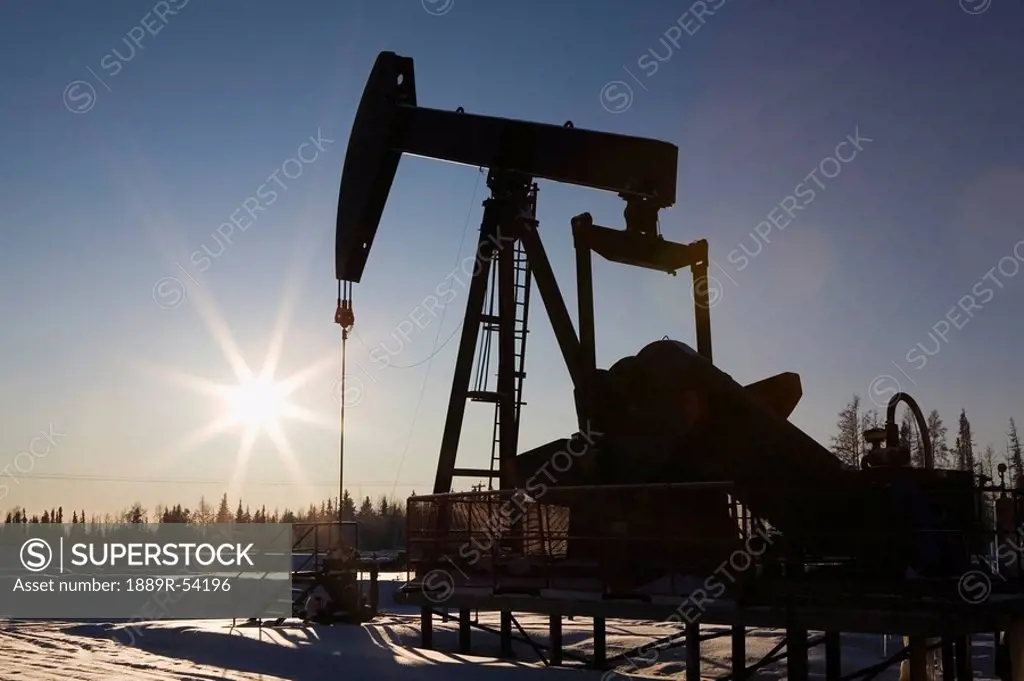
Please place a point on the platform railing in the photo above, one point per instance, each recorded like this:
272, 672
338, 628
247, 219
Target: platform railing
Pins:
657, 538
312, 542
509, 540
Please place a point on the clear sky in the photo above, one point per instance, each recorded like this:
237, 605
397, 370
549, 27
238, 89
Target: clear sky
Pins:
185, 113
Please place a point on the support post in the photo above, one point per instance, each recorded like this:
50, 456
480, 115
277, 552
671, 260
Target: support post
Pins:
585, 304
465, 624
948, 659
995, 649
554, 303
427, 627
600, 643
555, 639
493, 211
693, 650
739, 652
962, 652
506, 633
796, 634
1015, 647
374, 589
796, 654
833, 656
918, 660
702, 302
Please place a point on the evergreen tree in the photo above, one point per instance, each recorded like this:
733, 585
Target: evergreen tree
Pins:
348, 507
964, 444
1014, 451
238, 514
223, 512
176, 514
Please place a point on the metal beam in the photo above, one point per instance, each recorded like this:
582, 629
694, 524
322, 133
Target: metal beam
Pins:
554, 303
585, 303
702, 301
639, 250
465, 620
388, 123
555, 639
507, 425
739, 652
833, 656
506, 634
467, 347
427, 627
600, 643
693, 651
962, 650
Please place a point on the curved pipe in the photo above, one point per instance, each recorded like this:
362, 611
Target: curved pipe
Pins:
892, 433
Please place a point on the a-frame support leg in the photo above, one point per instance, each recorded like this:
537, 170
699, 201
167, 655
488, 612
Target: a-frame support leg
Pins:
487, 244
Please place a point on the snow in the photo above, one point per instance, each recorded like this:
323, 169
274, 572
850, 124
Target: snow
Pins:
383, 649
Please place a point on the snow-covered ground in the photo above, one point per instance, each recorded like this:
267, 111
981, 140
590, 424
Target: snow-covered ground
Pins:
384, 649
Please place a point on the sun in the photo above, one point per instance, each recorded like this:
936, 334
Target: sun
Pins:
258, 403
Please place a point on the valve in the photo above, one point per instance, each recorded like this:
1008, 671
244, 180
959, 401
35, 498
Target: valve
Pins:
875, 437
878, 455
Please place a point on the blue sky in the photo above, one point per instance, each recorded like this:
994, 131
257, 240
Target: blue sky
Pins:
186, 110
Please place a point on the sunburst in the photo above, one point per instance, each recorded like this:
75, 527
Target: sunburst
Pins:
258, 403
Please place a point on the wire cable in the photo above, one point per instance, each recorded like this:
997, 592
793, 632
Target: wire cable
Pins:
344, 317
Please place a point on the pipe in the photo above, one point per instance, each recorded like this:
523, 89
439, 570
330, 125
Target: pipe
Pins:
892, 432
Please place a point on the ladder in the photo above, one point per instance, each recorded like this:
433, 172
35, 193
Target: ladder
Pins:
522, 287
486, 364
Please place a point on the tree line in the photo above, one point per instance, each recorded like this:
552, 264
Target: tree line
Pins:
961, 454
381, 523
